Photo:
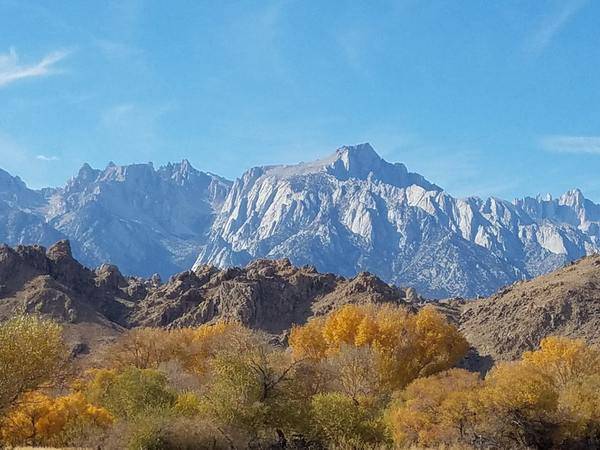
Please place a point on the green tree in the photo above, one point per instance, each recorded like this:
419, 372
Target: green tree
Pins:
129, 393
252, 387
339, 420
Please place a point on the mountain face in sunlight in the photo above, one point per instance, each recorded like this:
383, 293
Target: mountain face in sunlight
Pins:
353, 211
347, 213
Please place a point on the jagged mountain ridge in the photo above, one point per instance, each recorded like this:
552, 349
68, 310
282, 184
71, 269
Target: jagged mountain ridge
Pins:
354, 211
140, 218
347, 213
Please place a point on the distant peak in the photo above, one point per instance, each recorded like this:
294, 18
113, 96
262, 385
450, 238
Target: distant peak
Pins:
360, 162
573, 197
361, 155
86, 171
358, 150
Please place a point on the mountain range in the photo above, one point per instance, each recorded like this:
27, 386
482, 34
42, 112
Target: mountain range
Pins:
348, 213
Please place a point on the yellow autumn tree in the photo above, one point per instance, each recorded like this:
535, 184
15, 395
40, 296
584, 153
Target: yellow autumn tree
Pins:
436, 410
519, 402
564, 359
579, 412
32, 352
148, 348
405, 345
41, 420
548, 398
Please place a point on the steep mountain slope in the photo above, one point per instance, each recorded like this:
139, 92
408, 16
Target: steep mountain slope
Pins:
21, 214
355, 212
142, 219
565, 302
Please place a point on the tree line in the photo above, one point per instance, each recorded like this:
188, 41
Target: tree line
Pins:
369, 376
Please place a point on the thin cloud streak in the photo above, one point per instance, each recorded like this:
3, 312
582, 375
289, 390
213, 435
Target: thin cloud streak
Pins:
12, 70
572, 144
47, 158
552, 24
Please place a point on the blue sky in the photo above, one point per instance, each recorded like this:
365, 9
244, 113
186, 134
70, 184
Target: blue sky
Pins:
485, 98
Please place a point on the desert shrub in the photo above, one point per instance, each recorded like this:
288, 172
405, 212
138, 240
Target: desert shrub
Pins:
188, 404
252, 387
164, 430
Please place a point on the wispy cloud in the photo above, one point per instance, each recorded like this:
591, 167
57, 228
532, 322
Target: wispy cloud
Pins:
47, 158
11, 68
552, 24
572, 144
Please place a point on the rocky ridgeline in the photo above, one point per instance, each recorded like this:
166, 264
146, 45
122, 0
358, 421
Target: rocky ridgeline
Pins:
97, 304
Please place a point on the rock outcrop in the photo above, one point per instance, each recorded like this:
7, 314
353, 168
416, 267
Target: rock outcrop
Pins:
266, 294
96, 305
50, 282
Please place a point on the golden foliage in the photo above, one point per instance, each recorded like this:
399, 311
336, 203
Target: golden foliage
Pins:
149, 348
405, 345
356, 378
564, 359
307, 341
31, 353
549, 398
519, 388
435, 410
39, 419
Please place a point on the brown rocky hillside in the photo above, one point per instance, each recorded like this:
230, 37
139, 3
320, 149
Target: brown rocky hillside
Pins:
96, 305
565, 302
